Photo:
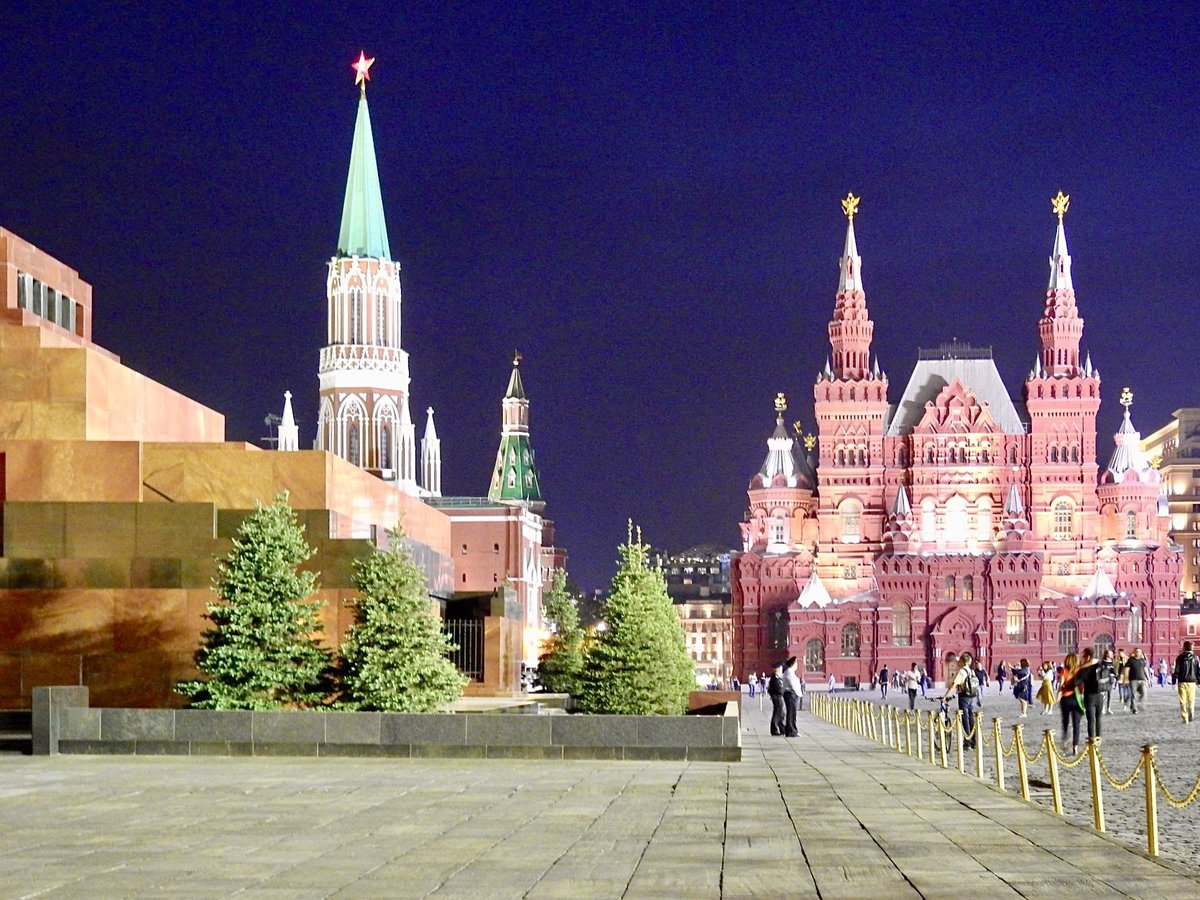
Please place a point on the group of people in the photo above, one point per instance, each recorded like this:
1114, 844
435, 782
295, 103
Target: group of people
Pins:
786, 690
1081, 688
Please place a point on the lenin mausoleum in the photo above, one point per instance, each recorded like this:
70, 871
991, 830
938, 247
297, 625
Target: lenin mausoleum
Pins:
118, 494
954, 517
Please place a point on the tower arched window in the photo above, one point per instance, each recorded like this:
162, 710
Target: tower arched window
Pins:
850, 514
1064, 526
356, 316
902, 625
1068, 636
1014, 622
353, 443
1131, 525
778, 530
850, 645
381, 319
814, 655
385, 446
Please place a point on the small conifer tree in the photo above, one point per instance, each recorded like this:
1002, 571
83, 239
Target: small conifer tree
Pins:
640, 664
561, 663
395, 655
263, 651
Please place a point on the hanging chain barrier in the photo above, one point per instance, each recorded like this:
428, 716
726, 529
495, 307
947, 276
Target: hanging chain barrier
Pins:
945, 732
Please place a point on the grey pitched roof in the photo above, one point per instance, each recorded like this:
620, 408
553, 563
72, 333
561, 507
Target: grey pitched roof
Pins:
980, 376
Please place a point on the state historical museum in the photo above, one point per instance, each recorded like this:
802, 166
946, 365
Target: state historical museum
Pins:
956, 518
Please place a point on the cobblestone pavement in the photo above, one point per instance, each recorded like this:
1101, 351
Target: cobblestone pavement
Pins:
826, 815
1123, 735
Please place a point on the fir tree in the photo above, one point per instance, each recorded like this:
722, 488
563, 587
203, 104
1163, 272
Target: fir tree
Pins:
263, 652
640, 664
395, 655
561, 662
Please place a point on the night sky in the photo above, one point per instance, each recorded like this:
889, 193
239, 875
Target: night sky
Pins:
643, 199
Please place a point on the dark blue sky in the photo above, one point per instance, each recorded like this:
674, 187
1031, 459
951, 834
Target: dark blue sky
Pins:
643, 198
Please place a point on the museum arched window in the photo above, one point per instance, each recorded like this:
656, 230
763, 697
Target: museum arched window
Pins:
850, 640
983, 510
1104, 643
1134, 632
948, 589
1074, 453
1131, 525
902, 625
968, 588
777, 630
1064, 526
1012, 455
955, 530
1068, 636
902, 456
1053, 454
1014, 622
814, 656
778, 530
850, 513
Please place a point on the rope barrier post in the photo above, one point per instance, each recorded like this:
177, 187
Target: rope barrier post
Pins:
894, 723
1052, 762
920, 732
959, 740
1022, 763
1148, 751
1093, 752
979, 748
944, 732
908, 732
999, 753
932, 724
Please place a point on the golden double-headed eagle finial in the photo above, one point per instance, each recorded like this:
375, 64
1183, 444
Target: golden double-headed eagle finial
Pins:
810, 441
780, 402
1126, 397
1060, 204
850, 205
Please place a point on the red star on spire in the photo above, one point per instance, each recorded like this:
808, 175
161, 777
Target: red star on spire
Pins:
362, 67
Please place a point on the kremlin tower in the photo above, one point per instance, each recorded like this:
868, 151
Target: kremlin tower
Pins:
364, 416
956, 519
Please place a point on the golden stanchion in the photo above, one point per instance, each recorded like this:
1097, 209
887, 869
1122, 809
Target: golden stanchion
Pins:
978, 748
908, 732
1148, 751
944, 733
1052, 762
1022, 763
932, 724
958, 740
999, 753
1093, 753
920, 731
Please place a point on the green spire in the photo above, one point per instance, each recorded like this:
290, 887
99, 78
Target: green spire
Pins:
364, 232
515, 476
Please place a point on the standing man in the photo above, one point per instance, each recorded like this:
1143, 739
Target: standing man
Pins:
966, 686
884, 676
791, 697
775, 692
753, 682
1139, 673
912, 681
1187, 672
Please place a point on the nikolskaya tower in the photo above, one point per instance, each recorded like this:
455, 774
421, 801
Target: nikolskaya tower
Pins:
364, 413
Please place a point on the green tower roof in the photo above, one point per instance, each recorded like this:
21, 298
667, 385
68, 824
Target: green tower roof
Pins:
515, 476
364, 232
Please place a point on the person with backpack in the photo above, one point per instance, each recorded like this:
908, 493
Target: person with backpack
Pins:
1068, 704
775, 692
1094, 678
966, 687
1187, 673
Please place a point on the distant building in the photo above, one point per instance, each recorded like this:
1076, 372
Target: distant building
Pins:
698, 584
1175, 450
958, 518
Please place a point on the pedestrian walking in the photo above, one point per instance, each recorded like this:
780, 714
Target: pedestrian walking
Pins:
925, 682
1123, 678
832, 683
791, 697
1092, 679
1109, 671
1069, 705
1001, 676
884, 676
1023, 686
1046, 692
1162, 673
752, 681
1139, 674
966, 687
775, 692
1187, 672
912, 681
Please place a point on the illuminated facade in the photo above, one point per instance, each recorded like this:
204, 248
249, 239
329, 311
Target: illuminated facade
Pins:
1175, 449
956, 518
698, 584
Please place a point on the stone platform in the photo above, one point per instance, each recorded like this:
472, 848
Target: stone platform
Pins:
826, 814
